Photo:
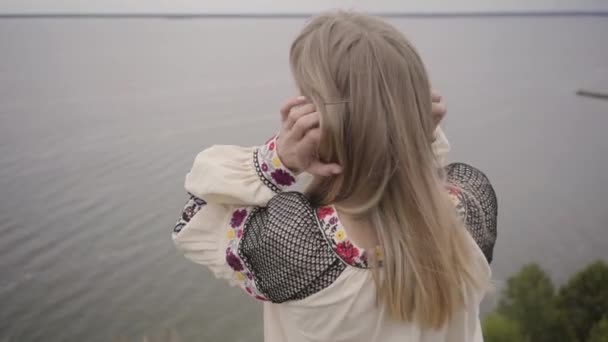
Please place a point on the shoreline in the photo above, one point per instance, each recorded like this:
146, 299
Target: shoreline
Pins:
413, 15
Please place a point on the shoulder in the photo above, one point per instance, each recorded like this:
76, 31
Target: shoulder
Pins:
477, 202
286, 251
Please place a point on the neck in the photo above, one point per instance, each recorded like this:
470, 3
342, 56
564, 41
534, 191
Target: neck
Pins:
359, 229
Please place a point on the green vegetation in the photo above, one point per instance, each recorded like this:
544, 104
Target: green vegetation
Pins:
498, 328
599, 333
532, 311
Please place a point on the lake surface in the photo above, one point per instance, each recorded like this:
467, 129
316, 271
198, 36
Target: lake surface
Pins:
100, 119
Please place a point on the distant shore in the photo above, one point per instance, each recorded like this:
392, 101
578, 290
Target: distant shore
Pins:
462, 14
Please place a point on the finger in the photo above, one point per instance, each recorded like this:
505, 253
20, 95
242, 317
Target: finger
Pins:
304, 124
318, 168
310, 142
294, 101
435, 96
297, 112
439, 108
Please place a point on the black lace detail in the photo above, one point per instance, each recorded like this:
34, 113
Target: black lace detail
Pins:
193, 205
285, 250
481, 205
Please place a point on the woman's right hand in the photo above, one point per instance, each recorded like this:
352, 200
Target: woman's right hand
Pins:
438, 107
298, 141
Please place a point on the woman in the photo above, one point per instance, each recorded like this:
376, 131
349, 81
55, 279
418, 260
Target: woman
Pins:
373, 250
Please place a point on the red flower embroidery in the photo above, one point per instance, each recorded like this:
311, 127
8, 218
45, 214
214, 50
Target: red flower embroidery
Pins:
324, 212
248, 289
347, 251
454, 191
239, 233
260, 297
233, 261
271, 146
264, 167
282, 177
237, 217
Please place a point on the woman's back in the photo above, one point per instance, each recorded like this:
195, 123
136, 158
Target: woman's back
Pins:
316, 284
365, 133
348, 310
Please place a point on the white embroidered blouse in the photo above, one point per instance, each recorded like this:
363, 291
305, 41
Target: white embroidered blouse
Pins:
243, 222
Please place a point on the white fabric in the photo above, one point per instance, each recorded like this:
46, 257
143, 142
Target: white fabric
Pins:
441, 146
224, 176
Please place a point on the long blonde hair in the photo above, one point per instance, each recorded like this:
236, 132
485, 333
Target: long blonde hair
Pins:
373, 93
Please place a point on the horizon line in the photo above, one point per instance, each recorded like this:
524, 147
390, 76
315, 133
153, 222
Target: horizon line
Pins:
460, 14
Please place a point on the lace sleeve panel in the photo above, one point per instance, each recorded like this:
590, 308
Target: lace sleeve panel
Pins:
480, 204
286, 252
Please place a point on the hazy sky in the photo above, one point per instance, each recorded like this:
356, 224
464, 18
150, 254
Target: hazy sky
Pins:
290, 6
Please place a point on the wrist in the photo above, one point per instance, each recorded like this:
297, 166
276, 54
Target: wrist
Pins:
283, 160
270, 167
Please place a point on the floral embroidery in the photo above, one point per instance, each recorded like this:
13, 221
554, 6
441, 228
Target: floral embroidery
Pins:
192, 207
234, 234
282, 177
340, 234
270, 169
233, 261
453, 190
456, 197
379, 254
276, 162
342, 246
323, 212
237, 218
347, 251
357, 256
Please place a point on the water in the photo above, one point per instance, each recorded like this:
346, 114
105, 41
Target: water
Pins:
100, 120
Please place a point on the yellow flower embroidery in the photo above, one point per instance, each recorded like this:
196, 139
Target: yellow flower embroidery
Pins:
230, 234
239, 276
378, 253
455, 200
340, 235
276, 162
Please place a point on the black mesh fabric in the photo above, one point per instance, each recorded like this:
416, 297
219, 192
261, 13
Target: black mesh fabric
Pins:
286, 251
291, 259
481, 207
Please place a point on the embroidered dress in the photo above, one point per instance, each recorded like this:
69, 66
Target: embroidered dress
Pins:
244, 222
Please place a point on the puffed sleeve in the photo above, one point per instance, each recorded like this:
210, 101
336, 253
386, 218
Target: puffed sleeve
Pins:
241, 224
239, 175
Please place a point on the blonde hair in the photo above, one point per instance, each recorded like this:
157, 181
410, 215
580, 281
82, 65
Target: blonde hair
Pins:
373, 93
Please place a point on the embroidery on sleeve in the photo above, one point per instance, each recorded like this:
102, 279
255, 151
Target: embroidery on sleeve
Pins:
270, 169
193, 205
455, 195
242, 275
350, 253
